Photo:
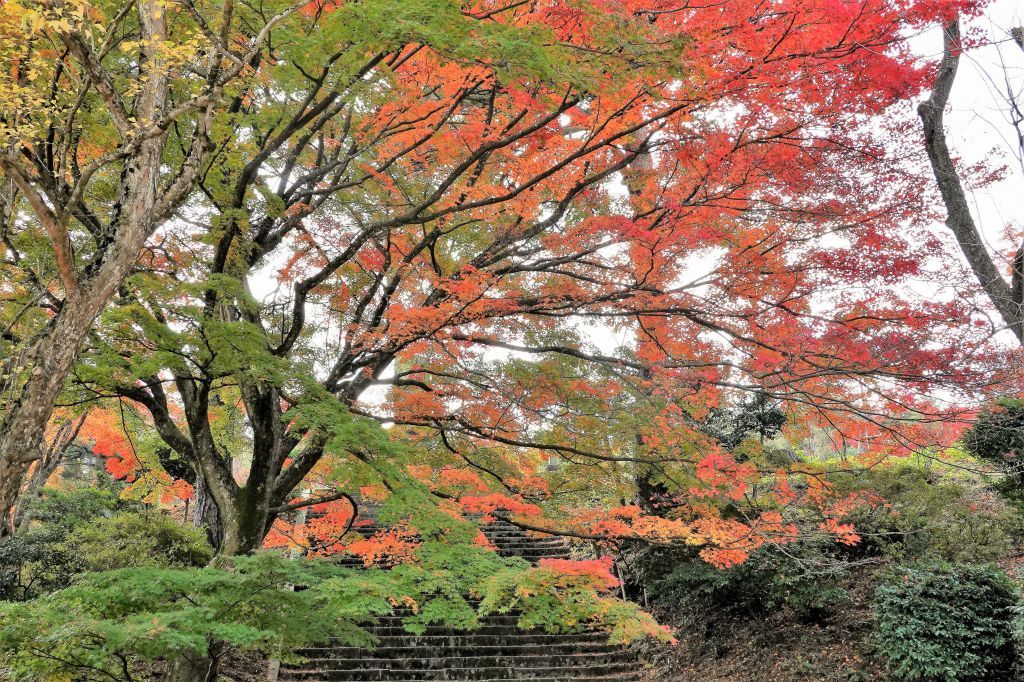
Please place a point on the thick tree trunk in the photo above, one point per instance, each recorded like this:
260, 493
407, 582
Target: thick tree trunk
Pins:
244, 524
49, 364
204, 514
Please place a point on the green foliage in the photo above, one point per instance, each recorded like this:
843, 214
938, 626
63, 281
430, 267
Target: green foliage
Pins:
950, 622
35, 562
804, 577
74, 506
116, 624
997, 435
40, 558
108, 625
558, 603
146, 538
89, 529
758, 416
921, 514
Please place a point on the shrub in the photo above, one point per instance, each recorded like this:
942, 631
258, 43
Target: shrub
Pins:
144, 538
998, 432
928, 515
115, 625
947, 622
35, 562
73, 506
562, 595
89, 529
124, 625
997, 435
38, 558
804, 577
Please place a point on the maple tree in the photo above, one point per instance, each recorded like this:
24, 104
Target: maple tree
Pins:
107, 122
572, 265
491, 193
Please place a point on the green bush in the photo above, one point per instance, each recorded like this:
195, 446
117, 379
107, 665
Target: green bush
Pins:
948, 622
39, 557
144, 538
997, 434
89, 529
35, 562
804, 577
71, 507
125, 625
928, 515
116, 625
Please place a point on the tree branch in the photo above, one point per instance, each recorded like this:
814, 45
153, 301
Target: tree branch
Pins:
55, 226
959, 219
333, 497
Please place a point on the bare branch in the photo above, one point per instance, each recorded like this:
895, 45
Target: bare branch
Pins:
959, 218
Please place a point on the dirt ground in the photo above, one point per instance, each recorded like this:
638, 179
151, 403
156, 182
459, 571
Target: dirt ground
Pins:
770, 648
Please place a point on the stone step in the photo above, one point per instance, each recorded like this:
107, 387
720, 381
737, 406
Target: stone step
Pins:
403, 639
443, 632
501, 536
398, 630
564, 673
535, 551
509, 619
519, 541
632, 676
436, 662
530, 544
486, 626
506, 648
496, 650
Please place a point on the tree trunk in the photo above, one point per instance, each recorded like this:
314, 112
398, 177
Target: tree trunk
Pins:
192, 669
244, 525
1002, 294
53, 356
205, 514
49, 364
87, 290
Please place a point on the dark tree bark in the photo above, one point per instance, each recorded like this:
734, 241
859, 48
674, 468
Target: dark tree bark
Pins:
192, 669
1007, 297
204, 514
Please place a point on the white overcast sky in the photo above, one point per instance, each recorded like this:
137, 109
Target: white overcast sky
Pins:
978, 120
978, 125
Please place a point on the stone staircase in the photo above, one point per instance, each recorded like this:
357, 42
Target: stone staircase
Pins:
497, 650
510, 540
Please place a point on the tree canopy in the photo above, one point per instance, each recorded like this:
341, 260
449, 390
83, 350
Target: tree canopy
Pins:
597, 268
